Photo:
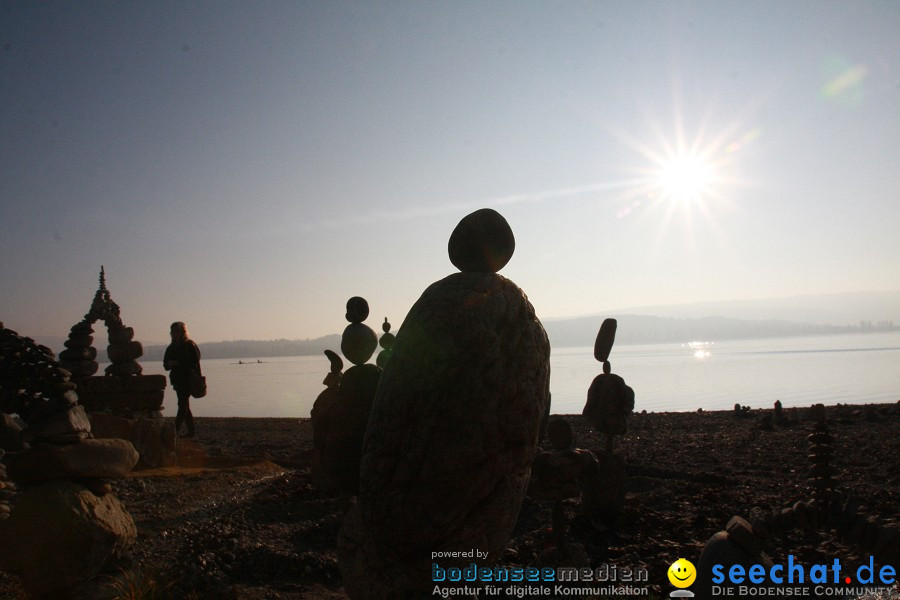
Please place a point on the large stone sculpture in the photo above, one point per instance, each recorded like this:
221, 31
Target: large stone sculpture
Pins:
454, 426
123, 403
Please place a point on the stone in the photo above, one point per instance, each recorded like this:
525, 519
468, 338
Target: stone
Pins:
124, 352
81, 368
609, 404
61, 534
106, 459
154, 439
78, 341
357, 309
124, 369
482, 242
10, 433
722, 549
606, 337
74, 420
347, 420
451, 436
120, 335
358, 343
78, 354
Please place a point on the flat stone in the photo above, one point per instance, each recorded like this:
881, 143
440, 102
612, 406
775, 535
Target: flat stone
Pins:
73, 420
105, 459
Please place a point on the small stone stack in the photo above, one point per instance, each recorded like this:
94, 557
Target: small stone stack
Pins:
609, 404
350, 410
609, 401
39, 390
123, 351
386, 342
66, 524
820, 448
79, 357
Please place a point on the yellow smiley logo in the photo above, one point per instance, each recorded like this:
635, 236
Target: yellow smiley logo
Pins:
682, 573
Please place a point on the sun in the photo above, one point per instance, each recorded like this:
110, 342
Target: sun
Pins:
685, 177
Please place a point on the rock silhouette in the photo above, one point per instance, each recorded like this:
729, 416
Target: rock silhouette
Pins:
454, 425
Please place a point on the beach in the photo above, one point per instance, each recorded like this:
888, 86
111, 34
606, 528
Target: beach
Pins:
240, 518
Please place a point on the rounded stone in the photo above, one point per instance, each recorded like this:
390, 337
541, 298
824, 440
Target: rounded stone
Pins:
357, 309
482, 242
358, 343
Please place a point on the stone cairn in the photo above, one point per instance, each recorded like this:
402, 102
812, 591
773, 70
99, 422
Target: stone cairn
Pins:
124, 403
609, 404
322, 414
562, 473
454, 426
827, 508
345, 421
63, 524
386, 342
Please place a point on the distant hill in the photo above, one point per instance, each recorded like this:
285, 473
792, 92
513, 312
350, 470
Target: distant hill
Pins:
703, 321
643, 329
253, 349
820, 309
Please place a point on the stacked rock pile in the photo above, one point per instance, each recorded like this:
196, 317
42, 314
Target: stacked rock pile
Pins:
609, 401
454, 425
79, 357
349, 414
65, 524
386, 342
609, 404
34, 386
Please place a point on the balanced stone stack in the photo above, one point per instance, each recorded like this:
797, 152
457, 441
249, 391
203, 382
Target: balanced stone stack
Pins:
349, 413
387, 344
64, 524
79, 357
454, 425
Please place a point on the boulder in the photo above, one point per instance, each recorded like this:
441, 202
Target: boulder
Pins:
61, 534
103, 459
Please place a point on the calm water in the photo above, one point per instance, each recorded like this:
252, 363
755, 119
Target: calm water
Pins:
851, 369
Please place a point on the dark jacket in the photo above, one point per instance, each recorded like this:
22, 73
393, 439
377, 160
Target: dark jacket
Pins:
187, 355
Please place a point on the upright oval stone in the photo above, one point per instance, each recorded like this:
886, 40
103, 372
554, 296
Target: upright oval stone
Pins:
482, 242
451, 436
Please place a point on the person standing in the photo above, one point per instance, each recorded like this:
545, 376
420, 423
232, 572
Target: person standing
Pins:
182, 360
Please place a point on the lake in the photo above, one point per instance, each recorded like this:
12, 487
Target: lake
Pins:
849, 369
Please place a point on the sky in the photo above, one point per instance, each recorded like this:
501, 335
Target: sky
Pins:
246, 167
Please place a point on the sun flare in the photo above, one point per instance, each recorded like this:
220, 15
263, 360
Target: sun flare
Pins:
685, 177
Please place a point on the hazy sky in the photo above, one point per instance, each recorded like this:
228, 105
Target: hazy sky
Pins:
246, 167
